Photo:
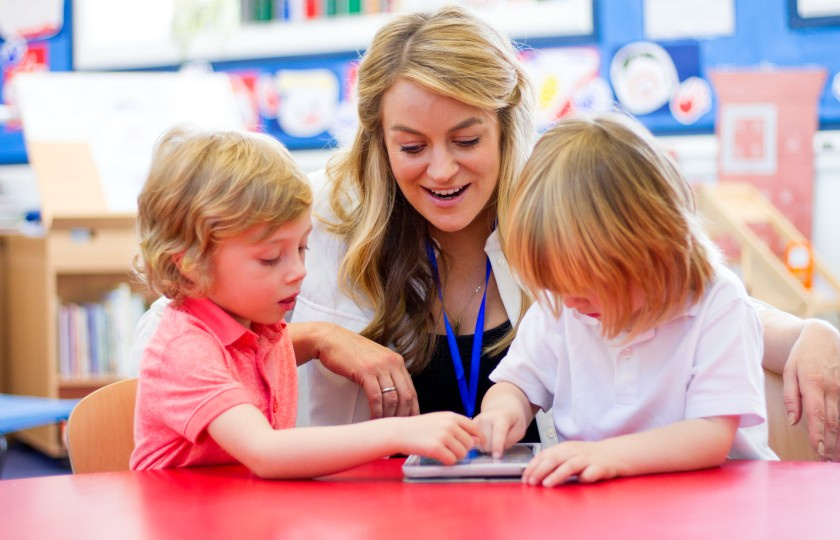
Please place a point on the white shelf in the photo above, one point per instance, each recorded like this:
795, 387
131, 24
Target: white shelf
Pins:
143, 38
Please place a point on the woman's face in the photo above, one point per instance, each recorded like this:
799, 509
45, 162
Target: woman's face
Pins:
444, 154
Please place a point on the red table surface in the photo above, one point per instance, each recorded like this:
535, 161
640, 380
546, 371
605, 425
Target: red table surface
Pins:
742, 499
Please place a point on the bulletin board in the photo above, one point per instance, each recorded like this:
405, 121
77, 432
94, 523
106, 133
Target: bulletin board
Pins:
782, 33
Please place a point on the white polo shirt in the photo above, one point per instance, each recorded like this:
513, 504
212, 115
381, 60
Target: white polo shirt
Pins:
703, 362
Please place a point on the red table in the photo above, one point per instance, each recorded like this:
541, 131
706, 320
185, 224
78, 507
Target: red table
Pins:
741, 500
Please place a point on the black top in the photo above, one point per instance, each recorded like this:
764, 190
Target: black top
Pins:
437, 387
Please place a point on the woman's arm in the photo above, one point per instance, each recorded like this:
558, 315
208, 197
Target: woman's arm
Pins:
368, 364
806, 352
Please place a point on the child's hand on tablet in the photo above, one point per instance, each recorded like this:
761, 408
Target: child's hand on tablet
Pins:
444, 436
501, 428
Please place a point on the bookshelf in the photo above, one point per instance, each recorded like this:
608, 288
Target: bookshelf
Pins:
75, 261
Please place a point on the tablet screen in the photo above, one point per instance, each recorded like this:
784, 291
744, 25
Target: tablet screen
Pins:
475, 465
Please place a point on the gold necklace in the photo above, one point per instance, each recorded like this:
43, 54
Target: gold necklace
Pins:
456, 327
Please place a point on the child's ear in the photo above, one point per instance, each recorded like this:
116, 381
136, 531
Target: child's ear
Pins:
187, 270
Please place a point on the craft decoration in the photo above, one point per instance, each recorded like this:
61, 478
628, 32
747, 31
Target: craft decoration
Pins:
308, 101
691, 100
643, 76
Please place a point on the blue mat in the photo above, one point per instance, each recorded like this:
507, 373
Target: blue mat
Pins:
23, 412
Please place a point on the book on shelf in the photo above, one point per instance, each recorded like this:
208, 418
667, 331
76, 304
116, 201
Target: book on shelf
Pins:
94, 337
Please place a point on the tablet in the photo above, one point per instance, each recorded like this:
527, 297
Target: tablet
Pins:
477, 465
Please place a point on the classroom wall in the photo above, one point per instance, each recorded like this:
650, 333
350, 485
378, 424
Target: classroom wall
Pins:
765, 34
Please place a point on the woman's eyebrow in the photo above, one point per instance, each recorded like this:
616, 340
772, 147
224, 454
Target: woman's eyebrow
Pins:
461, 125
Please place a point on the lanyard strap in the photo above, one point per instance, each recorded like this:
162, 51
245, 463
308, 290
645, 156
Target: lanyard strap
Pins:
468, 394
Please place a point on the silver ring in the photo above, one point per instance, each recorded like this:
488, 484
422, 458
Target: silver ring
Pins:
389, 389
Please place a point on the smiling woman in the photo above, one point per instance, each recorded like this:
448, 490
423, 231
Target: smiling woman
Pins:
439, 145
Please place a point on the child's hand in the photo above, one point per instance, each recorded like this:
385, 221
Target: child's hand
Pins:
500, 428
590, 461
445, 436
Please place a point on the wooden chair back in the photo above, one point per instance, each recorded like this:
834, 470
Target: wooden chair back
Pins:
789, 442
100, 430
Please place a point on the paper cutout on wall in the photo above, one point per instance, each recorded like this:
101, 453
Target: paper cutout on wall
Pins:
308, 101
766, 120
748, 144
267, 98
347, 119
595, 96
245, 93
559, 75
30, 19
691, 100
643, 76
835, 86
19, 57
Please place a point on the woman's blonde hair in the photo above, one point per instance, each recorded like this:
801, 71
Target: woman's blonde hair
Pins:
205, 186
454, 54
602, 209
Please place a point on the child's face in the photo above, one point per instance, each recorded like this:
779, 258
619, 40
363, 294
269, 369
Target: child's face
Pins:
589, 303
585, 303
258, 281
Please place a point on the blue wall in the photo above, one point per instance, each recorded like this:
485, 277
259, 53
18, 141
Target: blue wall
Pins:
763, 35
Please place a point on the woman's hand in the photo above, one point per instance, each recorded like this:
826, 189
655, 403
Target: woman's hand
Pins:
812, 381
380, 371
807, 354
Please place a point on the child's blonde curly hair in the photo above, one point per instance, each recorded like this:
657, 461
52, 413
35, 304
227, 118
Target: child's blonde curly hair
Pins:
205, 186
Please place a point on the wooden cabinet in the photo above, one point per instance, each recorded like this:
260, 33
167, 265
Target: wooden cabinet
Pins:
75, 261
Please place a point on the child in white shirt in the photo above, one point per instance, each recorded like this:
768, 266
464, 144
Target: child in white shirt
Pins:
646, 350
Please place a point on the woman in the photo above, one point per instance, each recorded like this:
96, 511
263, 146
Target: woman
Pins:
444, 127
445, 114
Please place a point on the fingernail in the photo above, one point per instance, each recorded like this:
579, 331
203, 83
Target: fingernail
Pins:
821, 449
791, 417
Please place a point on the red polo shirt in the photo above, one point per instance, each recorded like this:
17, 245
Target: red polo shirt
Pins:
199, 363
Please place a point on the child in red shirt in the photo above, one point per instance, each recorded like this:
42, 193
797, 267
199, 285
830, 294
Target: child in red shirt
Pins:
224, 218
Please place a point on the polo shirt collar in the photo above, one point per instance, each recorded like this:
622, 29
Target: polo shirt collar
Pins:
691, 311
225, 327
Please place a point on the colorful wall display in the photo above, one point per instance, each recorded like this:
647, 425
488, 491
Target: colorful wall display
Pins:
663, 78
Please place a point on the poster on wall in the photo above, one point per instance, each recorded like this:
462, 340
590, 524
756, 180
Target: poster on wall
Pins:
766, 124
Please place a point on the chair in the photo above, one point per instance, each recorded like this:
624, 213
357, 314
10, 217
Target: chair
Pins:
100, 431
789, 442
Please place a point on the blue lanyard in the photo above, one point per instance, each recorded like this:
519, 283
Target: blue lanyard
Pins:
468, 395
